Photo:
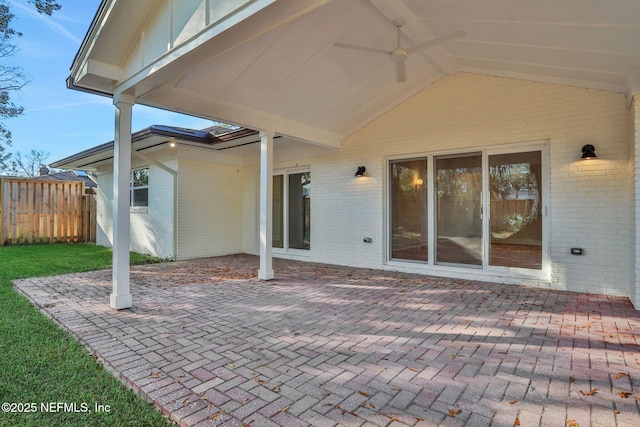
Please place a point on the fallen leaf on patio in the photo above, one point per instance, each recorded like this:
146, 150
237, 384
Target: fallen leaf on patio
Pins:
154, 375
372, 405
572, 379
276, 388
615, 411
625, 394
454, 412
396, 388
231, 365
572, 423
516, 422
285, 409
186, 402
513, 402
413, 370
452, 357
373, 303
590, 393
621, 374
390, 417
365, 394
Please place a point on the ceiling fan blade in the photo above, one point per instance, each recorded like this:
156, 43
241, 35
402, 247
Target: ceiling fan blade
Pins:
436, 41
401, 75
365, 48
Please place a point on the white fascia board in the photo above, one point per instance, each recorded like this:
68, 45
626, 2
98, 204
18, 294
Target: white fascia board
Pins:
198, 105
144, 81
103, 70
82, 57
190, 45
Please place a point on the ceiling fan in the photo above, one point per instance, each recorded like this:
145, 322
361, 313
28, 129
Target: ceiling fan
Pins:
400, 54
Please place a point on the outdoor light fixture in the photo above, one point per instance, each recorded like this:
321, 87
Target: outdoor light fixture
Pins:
588, 152
172, 142
360, 171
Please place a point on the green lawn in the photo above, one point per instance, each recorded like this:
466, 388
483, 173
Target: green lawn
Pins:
41, 363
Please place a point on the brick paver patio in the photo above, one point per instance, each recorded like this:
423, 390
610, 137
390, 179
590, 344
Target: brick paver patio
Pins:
326, 346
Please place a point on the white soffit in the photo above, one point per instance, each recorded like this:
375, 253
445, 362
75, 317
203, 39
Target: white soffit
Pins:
292, 75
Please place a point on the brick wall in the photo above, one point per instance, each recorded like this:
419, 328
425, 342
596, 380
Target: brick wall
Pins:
144, 221
210, 220
589, 207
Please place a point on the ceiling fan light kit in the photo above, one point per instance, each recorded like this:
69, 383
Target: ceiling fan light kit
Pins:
400, 54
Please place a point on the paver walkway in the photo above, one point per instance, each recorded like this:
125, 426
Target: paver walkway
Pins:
325, 346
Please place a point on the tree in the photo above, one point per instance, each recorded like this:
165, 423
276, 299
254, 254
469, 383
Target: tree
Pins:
11, 78
28, 164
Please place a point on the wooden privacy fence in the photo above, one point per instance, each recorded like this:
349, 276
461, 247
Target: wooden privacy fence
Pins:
39, 211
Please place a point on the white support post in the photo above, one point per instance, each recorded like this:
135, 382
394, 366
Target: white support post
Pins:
121, 295
266, 205
635, 129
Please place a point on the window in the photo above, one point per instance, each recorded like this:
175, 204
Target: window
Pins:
139, 188
478, 210
292, 211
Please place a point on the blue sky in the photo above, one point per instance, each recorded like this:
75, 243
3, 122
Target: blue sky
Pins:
58, 120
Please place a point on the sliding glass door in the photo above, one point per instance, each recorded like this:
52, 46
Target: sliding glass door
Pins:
479, 210
516, 196
409, 223
459, 209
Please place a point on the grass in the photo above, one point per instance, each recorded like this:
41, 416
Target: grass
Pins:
41, 363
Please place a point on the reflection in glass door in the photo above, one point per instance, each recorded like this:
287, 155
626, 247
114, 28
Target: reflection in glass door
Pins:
459, 209
515, 222
409, 215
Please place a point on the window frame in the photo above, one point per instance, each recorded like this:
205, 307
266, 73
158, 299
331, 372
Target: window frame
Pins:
486, 269
285, 249
133, 188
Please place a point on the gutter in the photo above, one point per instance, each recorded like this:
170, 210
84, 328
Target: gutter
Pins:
71, 85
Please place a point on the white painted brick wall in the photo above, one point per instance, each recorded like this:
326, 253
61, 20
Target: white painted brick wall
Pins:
144, 223
590, 206
210, 220
634, 169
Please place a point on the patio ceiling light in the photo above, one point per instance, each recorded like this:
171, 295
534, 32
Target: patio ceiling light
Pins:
588, 152
361, 170
172, 143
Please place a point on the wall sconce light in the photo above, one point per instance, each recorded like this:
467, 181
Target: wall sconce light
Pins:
361, 170
172, 143
588, 152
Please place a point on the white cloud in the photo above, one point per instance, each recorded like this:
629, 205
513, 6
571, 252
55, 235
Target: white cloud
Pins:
47, 20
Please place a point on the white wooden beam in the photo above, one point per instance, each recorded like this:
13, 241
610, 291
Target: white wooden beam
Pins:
266, 205
189, 102
121, 293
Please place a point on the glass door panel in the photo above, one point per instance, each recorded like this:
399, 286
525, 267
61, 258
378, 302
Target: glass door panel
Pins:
515, 221
278, 212
459, 209
409, 216
300, 210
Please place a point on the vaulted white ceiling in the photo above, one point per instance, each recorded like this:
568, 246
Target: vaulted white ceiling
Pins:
277, 66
